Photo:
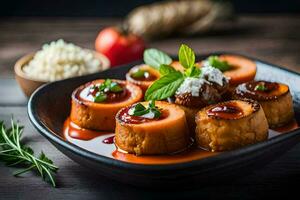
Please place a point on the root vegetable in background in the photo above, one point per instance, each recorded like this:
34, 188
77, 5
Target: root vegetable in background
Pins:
180, 16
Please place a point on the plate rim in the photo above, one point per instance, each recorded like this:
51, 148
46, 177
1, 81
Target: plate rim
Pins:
224, 156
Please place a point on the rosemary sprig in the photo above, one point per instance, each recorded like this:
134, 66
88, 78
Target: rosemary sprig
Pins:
14, 153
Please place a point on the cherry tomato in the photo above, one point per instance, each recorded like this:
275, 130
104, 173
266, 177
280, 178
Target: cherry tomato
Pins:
120, 47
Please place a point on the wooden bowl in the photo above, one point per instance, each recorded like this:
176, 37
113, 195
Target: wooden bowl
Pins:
29, 84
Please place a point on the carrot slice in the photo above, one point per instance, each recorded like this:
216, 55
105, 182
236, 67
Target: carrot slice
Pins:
176, 65
165, 135
243, 69
227, 131
100, 116
143, 84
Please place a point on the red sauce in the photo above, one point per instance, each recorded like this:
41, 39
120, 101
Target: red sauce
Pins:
147, 76
252, 90
109, 140
76, 132
225, 111
129, 119
193, 153
288, 127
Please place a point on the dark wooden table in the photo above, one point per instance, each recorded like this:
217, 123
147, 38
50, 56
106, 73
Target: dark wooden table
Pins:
272, 38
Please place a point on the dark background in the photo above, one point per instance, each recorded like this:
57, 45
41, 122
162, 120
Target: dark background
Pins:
118, 8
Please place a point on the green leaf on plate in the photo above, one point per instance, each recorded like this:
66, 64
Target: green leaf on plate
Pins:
186, 56
155, 58
115, 87
138, 74
193, 72
166, 69
100, 97
215, 62
139, 107
140, 110
260, 87
164, 87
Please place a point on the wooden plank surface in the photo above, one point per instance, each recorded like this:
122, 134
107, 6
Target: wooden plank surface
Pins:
11, 93
272, 38
76, 182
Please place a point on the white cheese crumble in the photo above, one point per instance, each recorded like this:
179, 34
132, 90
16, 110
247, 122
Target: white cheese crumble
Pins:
131, 111
191, 85
149, 115
60, 60
212, 74
206, 63
208, 75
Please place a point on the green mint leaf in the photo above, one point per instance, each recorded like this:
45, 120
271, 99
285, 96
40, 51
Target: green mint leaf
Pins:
166, 69
138, 74
193, 72
156, 113
102, 87
139, 107
109, 85
100, 97
153, 109
260, 88
140, 113
151, 104
115, 87
186, 56
107, 82
215, 62
140, 110
155, 58
164, 87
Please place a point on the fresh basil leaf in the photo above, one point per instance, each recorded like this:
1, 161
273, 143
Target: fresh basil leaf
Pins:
151, 104
260, 88
138, 74
100, 98
139, 107
193, 72
156, 112
102, 87
138, 110
155, 58
188, 72
166, 69
108, 85
115, 87
140, 113
186, 56
215, 62
164, 87
107, 82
